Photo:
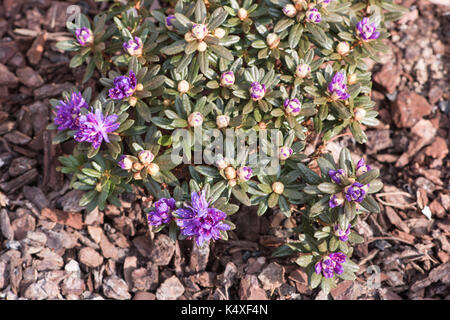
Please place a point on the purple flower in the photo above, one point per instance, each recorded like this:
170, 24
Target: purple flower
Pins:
356, 192
257, 91
313, 15
68, 112
336, 200
362, 167
94, 127
200, 221
331, 264
134, 46
162, 213
244, 173
169, 19
367, 31
292, 106
342, 234
123, 87
84, 36
336, 175
337, 87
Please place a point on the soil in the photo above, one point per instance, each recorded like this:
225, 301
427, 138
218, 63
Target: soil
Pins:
52, 249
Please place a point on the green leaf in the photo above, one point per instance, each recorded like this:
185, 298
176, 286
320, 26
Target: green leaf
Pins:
327, 284
314, 280
318, 207
91, 172
304, 260
329, 187
368, 176
370, 204
222, 52
308, 175
241, 195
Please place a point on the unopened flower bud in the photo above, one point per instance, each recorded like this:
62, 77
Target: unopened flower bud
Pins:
292, 106
222, 163
195, 119
146, 157
137, 166
222, 121
362, 167
343, 48
360, 113
336, 200
202, 46
244, 173
227, 79
132, 101
137, 175
242, 14
262, 125
230, 173
285, 153
232, 182
152, 169
84, 36
139, 87
278, 187
125, 162
199, 31
290, 11
352, 78
168, 22
273, 40
189, 37
183, 86
134, 46
313, 15
219, 33
302, 70
257, 91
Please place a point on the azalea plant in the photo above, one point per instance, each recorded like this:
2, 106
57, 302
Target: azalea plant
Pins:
209, 105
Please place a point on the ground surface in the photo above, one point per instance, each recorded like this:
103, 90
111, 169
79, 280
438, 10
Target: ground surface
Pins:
64, 253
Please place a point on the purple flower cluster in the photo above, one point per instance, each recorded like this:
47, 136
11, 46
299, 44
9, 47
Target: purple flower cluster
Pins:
337, 87
94, 128
257, 91
162, 213
123, 86
342, 234
367, 31
134, 46
84, 36
200, 221
331, 264
68, 112
336, 175
313, 15
355, 192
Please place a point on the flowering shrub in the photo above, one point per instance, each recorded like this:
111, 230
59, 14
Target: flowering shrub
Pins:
244, 85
